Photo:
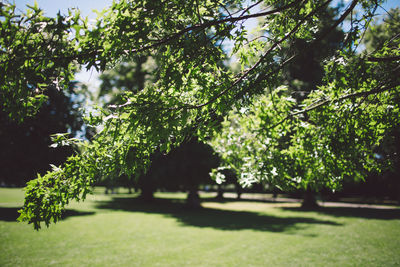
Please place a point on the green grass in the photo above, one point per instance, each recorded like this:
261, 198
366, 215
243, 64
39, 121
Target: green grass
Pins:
118, 230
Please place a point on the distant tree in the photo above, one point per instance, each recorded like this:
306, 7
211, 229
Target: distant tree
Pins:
300, 76
305, 72
189, 167
126, 77
316, 145
26, 147
185, 168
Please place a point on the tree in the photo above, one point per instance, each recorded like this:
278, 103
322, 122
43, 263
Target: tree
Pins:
189, 166
224, 176
185, 168
193, 90
383, 33
126, 77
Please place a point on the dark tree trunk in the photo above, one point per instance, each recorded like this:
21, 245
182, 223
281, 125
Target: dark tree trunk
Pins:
238, 190
193, 199
274, 195
309, 199
147, 194
220, 195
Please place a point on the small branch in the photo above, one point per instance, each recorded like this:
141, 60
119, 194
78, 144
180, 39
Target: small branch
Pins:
376, 90
321, 103
250, 7
384, 59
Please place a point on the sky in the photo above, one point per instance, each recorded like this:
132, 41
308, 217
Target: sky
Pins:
51, 7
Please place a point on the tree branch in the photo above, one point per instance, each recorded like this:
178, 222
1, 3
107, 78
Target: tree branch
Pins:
376, 90
320, 103
384, 59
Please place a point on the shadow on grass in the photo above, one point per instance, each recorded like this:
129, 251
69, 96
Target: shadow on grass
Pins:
357, 212
11, 214
244, 199
210, 217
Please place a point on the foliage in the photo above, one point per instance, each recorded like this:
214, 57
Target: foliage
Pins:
382, 33
193, 90
266, 142
305, 72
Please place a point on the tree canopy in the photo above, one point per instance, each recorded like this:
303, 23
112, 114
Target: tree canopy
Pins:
329, 135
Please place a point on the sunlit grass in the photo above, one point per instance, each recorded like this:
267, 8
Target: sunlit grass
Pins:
118, 230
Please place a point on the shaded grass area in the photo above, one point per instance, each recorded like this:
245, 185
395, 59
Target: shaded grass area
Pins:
213, 217
121, 230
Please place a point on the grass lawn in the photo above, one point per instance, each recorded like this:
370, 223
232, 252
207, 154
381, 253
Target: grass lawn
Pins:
119, 230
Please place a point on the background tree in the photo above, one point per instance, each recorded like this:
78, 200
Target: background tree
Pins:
127, 77
384, 32
189, 166
226, 177
26, 147
130, 76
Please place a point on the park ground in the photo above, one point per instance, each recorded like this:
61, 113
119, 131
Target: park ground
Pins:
121, 230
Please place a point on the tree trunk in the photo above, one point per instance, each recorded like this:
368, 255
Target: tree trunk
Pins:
238, 190
309, 199
147, 194
220, 195
193, 199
